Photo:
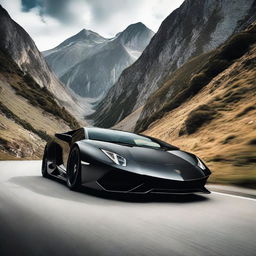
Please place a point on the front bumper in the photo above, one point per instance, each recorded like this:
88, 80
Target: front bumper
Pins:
116, 180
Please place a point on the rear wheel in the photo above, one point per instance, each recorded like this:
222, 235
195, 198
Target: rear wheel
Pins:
45, 164
74, 169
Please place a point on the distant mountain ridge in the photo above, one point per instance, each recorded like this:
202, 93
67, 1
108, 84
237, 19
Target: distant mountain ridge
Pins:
197, 27
90, 64
72, 50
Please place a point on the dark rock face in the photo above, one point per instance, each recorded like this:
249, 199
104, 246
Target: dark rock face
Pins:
198, 26
21, 48
89, 64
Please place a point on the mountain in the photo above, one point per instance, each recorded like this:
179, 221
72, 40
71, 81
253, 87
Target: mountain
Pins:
73, 50
29, 111
213, 117
197, 27
89, 64
23, 51
189, 79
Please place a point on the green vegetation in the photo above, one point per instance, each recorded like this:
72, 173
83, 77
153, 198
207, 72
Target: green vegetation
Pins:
30, 90
215, 67
3, 142
9, 114
198, 117
198, 81
42, 98
205, 113
237, 46
3, 148
194, 75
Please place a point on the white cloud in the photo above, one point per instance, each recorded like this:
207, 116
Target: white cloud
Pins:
105, 17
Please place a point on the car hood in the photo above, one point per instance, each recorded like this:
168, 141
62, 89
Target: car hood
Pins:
173, 164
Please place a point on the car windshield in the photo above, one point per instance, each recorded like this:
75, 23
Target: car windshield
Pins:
124, 138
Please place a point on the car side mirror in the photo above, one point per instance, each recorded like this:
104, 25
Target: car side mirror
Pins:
64, 137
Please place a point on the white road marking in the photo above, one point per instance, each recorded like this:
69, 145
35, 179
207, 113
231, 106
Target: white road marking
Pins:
235, 196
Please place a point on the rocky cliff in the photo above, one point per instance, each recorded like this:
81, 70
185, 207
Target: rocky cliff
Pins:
23, 51
197, 27
30, 113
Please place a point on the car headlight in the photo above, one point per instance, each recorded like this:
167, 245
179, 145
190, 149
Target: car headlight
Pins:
200, 164
117, 159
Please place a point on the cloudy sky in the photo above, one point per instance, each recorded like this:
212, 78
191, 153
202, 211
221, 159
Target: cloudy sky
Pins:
49, 22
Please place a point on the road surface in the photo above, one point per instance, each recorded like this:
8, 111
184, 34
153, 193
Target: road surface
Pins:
43, 217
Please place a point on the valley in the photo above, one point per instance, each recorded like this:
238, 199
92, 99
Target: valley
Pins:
89, 64
191, 84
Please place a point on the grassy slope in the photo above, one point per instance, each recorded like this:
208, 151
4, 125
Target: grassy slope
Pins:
193, 76
219, 123
28, 114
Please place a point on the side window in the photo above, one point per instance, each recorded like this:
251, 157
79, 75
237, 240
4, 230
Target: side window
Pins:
79, 135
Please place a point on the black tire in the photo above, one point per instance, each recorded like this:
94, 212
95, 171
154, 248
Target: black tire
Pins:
74, 169
45, 165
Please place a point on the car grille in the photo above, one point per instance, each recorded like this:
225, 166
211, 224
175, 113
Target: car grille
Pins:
135, 183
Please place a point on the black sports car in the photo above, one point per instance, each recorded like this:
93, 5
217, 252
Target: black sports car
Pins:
118, 161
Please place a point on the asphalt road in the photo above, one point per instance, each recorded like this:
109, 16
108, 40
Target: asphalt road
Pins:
42, 217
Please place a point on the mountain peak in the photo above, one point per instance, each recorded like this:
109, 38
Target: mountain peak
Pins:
83, 35
138, 27
136, 35
87, 32
2, 10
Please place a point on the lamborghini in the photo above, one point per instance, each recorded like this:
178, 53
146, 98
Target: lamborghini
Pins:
124, 162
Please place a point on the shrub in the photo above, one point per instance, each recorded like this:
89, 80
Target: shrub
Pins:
197, 82
235, 96
217, 158
217, 62
215, 67
228, 139
237, 46
252, 142
43, 135
245, 160
246, 110
182, 130
9, 114
3, 142
44, 99
198, 117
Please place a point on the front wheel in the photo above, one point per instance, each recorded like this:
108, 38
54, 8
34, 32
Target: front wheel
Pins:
74, 169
